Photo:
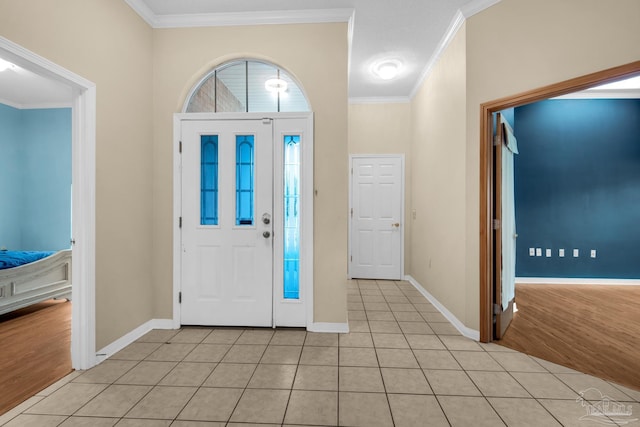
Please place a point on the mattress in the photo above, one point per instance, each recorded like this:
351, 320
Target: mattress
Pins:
11, 259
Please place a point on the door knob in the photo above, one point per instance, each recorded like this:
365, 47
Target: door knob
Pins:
397, 224
266, 234
266, 218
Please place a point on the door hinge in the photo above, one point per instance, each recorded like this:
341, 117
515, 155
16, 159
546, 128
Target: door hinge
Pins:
179, 297
497, 309
180, 222
351, 212
496, 140
180, 147
351, 258
351, 171
496, 224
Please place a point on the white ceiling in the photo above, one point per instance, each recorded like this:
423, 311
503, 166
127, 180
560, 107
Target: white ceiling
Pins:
412, 31
20, 88
408, 30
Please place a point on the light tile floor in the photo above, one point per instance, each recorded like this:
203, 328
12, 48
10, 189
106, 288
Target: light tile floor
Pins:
402, 364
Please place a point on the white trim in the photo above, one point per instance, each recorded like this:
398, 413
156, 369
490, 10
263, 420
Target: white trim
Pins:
83, 316
177, 213
350, 29
307, 219
308, 16
306, 227
454, 26
266, 17
380, 100
36, 106
137, 333
476, 6
141, 8
467, 332
456, 23
323, 327
576, 281
83, 321
402, 211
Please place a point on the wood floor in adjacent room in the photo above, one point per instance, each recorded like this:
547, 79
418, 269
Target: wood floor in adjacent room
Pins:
35, 350
592, 329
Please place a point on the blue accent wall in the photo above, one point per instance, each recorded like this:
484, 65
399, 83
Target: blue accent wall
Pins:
577, 185
10, 182
38, 181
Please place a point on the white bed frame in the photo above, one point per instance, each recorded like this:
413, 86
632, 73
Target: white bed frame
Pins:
38, 281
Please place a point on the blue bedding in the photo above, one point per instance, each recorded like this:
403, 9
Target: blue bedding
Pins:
10, 259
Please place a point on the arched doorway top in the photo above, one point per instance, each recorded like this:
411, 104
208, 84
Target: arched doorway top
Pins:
246, 86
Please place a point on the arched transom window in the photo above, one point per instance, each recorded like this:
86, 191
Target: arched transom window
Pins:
247, 86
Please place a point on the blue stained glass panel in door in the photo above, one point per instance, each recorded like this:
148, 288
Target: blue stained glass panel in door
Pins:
244, 179
291, 217
209, 180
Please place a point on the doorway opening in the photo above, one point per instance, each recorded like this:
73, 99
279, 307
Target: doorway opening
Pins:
83, 106
489, 278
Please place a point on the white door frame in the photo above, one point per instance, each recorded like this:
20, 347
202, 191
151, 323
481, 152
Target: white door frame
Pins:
402, 214
306, 225
83, 146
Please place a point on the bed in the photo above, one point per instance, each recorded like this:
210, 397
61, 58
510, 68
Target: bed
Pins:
23, 284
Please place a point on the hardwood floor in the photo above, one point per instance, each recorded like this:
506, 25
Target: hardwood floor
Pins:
592, 329
35, 350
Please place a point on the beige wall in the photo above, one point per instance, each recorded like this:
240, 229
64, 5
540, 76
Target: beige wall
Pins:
541, 43
438, 117
511, 47
106, 42
385, 128
316, 54
143, 76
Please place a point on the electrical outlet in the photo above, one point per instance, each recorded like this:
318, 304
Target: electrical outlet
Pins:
593, 253
561, 253
548, 253
532, 251
576, 253
538, 251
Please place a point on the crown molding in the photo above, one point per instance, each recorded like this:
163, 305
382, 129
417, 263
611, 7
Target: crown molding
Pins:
306, 16
456, 23
454, 26
380, 100
141, 8
476, 6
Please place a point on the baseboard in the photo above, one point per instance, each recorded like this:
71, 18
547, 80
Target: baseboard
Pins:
336, 328
576, 281
467, 332
132, 336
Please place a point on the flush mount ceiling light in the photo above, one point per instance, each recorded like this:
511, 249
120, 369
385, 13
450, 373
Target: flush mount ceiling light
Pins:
387, 69
276, 85
5, 65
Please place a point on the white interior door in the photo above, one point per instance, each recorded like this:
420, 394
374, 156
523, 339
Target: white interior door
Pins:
227, 205
376, 217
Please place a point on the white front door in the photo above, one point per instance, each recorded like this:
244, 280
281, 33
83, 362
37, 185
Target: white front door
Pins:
227, 209
376, 217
